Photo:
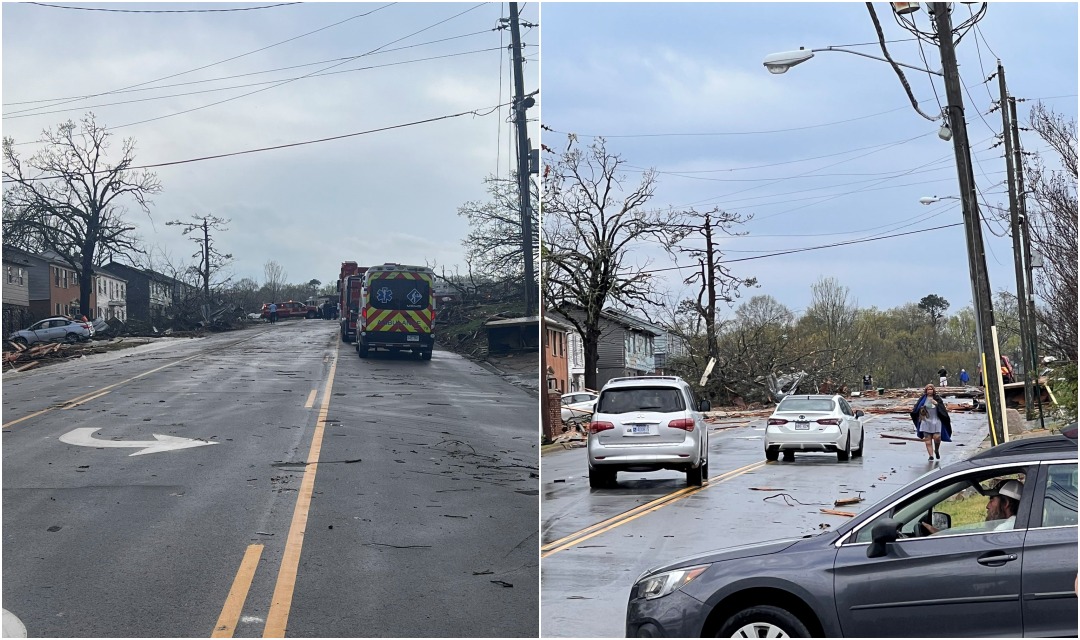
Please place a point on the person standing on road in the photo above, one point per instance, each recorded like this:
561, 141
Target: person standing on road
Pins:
867, 382
273, 313
964, 377
943, 377
932, 422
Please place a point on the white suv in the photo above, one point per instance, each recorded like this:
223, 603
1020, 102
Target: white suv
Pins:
648, 423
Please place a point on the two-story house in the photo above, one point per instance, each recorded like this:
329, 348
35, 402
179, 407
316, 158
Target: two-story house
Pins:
149, 294
626, 346
556, 354
111, 295
16, 290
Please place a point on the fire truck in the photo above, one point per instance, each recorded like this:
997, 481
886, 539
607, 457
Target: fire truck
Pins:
397, 310
350, 280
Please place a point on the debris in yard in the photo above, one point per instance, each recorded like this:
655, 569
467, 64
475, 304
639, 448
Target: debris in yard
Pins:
834, 512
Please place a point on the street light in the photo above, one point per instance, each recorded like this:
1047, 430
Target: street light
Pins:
985, 329
933, 199
781, 62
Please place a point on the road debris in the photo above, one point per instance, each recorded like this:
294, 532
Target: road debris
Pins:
834, 512
843, 502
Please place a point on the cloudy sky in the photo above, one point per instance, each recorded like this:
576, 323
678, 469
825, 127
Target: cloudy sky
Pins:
190, 80
832, 151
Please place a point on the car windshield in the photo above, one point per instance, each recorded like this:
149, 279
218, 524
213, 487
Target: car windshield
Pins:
658, 399
805, 404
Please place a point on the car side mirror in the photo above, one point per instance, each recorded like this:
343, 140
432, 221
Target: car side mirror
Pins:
940, 520
703, 405
884, 532
859, 414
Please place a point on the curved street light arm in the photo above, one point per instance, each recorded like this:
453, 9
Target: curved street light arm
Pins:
867, 55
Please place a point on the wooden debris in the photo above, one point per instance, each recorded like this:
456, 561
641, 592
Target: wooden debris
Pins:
17, 345
842, 502
834, 512
766, 489
912, 438
31, 365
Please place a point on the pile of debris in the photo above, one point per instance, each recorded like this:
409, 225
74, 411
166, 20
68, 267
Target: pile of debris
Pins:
23, 358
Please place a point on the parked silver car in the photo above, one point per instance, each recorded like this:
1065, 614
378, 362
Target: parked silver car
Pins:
58, 328
818, 423
648, 423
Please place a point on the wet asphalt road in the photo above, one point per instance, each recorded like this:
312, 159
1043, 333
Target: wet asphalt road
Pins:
586, 580
418, 520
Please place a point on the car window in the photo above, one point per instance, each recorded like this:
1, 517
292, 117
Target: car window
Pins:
1060, 497
845, 407
658, 399
953, 506
805, 404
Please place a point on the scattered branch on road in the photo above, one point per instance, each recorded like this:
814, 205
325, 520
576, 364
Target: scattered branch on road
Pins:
788, 499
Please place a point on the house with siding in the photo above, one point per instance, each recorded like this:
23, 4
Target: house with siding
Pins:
626, 346
16, 290
111, 295
54, 287
148, 294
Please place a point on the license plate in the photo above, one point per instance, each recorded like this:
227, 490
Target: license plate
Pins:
802, 426
412, 338
637, 430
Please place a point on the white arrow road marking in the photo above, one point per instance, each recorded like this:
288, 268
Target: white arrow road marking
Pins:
84, 437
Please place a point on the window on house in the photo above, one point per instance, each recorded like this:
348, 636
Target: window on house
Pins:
56, 281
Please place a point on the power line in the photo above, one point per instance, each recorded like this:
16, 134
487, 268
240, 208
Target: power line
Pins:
476, 112
824, 246
244, 95
269, 6
304, 35
254, 84
241, 75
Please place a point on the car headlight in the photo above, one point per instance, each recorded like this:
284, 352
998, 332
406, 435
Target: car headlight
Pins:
661, 584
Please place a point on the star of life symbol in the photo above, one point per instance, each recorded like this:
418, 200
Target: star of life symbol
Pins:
414, 297
384, 295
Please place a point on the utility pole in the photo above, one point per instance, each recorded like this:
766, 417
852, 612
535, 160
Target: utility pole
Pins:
984, 313
1007, 135
1025, 232
521, 104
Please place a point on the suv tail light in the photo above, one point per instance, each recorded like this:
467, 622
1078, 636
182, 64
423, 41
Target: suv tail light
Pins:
597, 427
829, 421
776, 421
686, 424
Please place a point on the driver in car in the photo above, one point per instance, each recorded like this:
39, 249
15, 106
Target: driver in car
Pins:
1004, 499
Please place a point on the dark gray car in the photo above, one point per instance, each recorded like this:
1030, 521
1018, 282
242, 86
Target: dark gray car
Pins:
930, 560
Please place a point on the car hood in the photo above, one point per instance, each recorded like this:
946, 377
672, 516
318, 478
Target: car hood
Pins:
729, 553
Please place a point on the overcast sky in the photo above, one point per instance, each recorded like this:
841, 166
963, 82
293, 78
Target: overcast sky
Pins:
390, 196
832, 151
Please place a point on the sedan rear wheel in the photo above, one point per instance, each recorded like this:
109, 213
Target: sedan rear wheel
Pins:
772, 454
857, 453
842, 456
694, 476
763, 622
71, 338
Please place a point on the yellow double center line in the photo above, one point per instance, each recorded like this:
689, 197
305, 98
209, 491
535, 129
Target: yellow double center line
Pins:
635, 513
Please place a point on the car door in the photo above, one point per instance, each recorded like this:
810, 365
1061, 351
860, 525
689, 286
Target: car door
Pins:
854, 426
962, 584
1049, 601
52, 330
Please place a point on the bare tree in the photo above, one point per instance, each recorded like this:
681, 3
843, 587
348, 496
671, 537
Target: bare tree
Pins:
69, 199
714, 279
275, 276
590, 226
211, 261
494, 245
1052, 223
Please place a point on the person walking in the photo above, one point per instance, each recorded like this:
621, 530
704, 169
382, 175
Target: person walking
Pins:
932, 422
964, 377
943, 377
273, 313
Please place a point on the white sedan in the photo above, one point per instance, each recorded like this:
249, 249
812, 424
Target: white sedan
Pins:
56, 328
824, 424
579, 404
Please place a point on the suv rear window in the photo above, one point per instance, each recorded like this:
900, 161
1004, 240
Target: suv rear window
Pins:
805, 404
658, 399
